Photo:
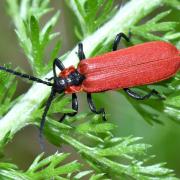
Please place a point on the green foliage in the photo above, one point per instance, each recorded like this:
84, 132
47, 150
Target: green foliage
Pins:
173, 3
7, 90
34, 40
146, 30
172, 103
94, 141
99, 156
48, 168
51, 167
152, 110
91, 14
104, 155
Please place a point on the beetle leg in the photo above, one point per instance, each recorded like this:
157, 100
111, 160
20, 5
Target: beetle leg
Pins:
80, 53
59, 64
74, 107
140, 97
93, 108
118, 39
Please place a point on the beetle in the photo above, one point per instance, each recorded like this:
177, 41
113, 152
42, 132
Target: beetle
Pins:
141, 64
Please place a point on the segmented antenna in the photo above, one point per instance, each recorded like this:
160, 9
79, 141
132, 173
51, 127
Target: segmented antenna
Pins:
26, 76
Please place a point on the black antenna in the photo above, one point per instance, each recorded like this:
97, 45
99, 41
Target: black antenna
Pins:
32, 78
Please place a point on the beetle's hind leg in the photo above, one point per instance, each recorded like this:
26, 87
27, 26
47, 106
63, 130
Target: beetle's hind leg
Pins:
93, 108
74, 107
140, 97
118, 39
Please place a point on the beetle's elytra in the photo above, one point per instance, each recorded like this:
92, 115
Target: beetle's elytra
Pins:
134, 66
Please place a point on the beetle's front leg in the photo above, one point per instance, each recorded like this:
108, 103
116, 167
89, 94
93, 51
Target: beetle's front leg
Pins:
74, 107
140, 97
81, 54
93, 108
118, 39
59, 64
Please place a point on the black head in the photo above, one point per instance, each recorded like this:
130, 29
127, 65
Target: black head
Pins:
60, 84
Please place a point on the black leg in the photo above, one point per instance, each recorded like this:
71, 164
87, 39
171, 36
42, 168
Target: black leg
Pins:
59, 64
48, 103
140, 97
93, 108
74, 107
26, 76
81, 54
118, 39
127, 90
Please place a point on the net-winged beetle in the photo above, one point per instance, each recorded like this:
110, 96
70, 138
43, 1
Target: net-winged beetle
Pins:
141, 64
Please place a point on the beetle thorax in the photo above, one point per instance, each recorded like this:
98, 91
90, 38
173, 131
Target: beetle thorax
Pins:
67, 78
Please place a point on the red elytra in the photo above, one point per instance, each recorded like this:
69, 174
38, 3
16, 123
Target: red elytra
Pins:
141, 64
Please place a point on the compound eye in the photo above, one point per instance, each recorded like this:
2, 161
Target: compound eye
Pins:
62, 83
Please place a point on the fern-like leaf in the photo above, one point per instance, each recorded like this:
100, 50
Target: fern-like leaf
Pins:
7, 90
33, 40
91, 14
112, 156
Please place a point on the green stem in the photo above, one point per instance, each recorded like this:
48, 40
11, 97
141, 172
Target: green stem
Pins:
129, 15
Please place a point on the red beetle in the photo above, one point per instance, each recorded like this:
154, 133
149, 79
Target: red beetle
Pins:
141, 64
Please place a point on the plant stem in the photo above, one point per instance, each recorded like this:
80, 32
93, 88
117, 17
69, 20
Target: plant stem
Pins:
127, 16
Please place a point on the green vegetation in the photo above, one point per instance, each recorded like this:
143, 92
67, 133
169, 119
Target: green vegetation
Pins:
104, 155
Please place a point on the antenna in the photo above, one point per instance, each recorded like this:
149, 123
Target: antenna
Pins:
26, 76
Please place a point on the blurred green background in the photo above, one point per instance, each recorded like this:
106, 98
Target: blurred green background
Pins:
25, 146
